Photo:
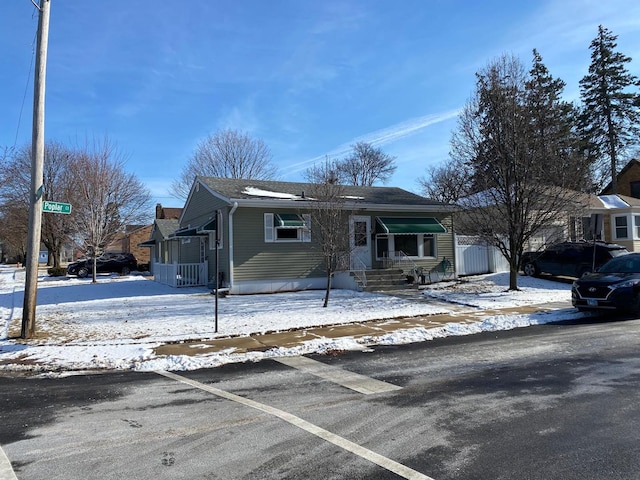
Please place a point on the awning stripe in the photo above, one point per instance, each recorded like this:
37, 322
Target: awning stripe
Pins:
408, 225
288, 220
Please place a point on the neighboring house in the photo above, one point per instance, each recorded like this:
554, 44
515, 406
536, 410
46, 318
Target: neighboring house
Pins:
165, 224
268, 244
628, 181
134, 235
618, 214
619, 220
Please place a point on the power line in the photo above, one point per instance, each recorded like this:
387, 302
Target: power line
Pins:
26, 88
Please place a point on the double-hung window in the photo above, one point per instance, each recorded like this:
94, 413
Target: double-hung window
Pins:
620, 227
287, 227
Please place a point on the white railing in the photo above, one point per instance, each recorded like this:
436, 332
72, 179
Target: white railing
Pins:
359, 269
181, 274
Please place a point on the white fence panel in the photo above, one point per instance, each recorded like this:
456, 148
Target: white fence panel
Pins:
497, 262
474, 257
181, 274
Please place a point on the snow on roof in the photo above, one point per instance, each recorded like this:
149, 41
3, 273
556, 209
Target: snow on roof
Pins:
613, 201
258, 192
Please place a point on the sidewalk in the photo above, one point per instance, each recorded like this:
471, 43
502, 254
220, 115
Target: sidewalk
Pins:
374, 328
132, 323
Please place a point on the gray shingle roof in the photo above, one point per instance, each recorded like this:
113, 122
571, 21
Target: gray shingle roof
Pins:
166, 226
243, 189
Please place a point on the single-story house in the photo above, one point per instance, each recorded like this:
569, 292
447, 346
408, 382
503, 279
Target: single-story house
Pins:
618, 220
268, 243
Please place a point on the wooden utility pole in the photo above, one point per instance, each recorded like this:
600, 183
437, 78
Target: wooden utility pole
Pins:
37, 162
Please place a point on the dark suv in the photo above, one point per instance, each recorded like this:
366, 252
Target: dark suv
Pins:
122, 263
571, 259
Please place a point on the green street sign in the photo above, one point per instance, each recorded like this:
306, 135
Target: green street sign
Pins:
56, 207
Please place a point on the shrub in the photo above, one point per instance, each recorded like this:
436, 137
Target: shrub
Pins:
57, 271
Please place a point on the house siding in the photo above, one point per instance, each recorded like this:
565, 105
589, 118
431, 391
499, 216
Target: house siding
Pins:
255, 259
199, 210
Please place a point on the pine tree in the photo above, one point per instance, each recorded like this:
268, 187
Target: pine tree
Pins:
554, 136
611, 115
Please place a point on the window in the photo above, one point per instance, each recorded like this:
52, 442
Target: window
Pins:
428, 246
634, 188
413, 245
287, 227
407, 243
360, 234
620, 226
636, 224
382, 246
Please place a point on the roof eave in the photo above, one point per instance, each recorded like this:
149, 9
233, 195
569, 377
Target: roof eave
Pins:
308, 204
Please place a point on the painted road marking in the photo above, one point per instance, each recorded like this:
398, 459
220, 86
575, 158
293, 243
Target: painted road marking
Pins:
6, 470
382, 461
354, 381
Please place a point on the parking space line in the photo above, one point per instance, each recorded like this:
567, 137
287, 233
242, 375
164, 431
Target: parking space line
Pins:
351, 380
6, 470
380, 460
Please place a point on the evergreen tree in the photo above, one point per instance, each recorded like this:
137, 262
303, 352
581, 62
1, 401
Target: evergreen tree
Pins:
554, 136
611, 116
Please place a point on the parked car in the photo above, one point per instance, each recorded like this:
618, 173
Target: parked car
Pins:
571, 259
122, 263
615, 286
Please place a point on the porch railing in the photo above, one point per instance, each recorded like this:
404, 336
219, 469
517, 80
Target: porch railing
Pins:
359, 269
401, 260
181, 274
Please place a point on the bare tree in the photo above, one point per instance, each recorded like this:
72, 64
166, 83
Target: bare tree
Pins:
329, 219
226, 154
105, 197
446, 183
366, 165
516, 195
13, 230
14, 189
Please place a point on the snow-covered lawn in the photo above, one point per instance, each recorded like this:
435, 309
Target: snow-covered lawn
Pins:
118, 322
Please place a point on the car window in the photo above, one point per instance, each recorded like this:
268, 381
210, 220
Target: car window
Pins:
622, 264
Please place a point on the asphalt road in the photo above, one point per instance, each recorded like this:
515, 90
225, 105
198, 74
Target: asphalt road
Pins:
547, 402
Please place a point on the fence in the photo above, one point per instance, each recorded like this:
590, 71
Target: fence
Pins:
474, 257
181, 274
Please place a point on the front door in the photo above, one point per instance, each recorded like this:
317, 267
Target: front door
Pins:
360, 242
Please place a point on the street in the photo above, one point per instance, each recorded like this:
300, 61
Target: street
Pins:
556, 401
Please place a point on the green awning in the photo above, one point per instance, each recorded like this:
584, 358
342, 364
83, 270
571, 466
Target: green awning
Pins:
408, 225
210, 226
288, 220
148, 243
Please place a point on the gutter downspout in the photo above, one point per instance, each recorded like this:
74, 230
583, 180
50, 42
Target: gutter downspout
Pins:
231, 212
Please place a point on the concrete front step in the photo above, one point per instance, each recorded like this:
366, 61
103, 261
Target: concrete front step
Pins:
382, 280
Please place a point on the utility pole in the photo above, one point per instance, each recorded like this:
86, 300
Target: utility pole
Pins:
37, 161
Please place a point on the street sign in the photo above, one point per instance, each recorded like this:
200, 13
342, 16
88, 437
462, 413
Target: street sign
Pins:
56, 207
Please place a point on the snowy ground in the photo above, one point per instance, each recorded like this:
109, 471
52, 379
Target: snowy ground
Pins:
118, 322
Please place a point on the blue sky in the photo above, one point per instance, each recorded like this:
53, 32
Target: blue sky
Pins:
309, 78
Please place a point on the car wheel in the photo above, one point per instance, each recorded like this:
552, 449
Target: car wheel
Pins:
83, 272
125, 271
530, 269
